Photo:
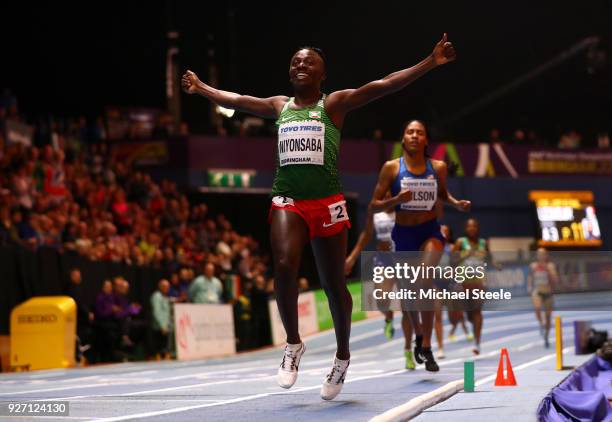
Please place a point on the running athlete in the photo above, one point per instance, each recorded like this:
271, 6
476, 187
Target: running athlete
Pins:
307, 203
473, 252
416, 183
382, 223
455, 314
540, 283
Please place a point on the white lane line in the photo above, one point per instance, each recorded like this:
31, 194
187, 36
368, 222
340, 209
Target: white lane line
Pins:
227, 368
76, 379
356, 356
34, 376
254, 379
397, 326
308, 371
166, 379
529, 323
530, 345
176, 388
523, 366
313, 371
240, 399
176, 410
68, 387
121, 368
418, 404
153, 399
487, 330
61, 418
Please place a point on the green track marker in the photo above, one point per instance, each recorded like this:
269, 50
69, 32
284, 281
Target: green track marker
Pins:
468, 377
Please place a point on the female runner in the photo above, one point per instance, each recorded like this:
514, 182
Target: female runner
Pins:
416, 183
473, 252
540, 283
307, 203
455, 314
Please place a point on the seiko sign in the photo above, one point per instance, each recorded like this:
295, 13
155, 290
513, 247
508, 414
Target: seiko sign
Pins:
37, 319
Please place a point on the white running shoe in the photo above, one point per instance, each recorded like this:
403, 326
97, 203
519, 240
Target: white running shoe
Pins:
334, 380
288, 371
440, 354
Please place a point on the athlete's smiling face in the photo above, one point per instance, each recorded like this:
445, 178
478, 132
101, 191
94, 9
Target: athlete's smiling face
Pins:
306, 68
415, 137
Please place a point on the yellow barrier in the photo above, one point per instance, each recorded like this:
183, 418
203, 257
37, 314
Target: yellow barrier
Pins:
559, 342
43, 333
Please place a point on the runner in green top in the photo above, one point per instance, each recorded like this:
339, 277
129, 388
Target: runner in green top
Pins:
320, 143
307, 204
473, 252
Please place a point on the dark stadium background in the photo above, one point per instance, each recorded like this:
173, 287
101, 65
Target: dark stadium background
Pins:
78, 57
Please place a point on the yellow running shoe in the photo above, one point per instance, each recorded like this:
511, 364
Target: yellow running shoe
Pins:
389, 329
409, 360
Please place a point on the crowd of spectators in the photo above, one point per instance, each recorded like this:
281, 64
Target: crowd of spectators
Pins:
569, 140
67, 191
72, 194
113, 327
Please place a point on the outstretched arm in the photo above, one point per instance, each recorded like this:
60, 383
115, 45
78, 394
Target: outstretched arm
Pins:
262, 107
341, 102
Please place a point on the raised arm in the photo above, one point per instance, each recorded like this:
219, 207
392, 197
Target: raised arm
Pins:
268, 108
443, 193
341, 102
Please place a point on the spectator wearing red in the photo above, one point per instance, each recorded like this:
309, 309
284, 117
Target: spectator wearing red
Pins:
54, 185
121, 212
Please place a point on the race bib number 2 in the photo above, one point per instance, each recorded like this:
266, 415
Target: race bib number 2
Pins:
337, 212
301, 143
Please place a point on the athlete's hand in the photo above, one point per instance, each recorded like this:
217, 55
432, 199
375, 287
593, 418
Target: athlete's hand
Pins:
190, 82
463, 205
403, 196
444, 51
348, 265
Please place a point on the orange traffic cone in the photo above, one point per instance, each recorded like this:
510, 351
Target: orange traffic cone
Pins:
509, 379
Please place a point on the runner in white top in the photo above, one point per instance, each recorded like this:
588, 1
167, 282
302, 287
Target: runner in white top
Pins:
382, 224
